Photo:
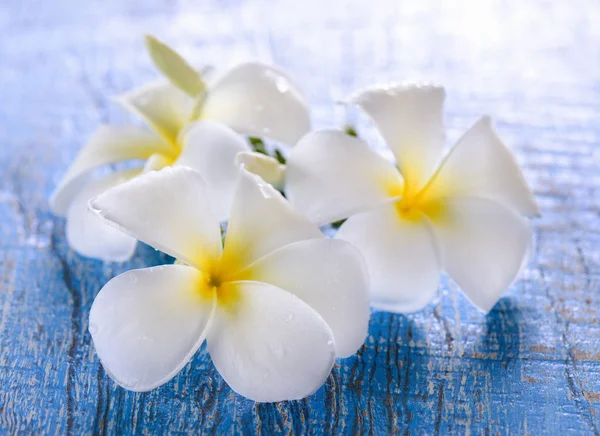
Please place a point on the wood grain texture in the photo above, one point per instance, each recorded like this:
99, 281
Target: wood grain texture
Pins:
531, 366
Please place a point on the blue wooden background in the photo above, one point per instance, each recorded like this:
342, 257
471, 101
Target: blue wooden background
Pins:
531, 366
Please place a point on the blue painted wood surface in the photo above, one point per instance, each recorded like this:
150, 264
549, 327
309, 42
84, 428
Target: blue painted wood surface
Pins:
531, 366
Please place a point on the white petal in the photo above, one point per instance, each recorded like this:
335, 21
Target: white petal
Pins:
174, 67
211, 149
88, 235
163, 106
401, 256
108, 144
331, 175
331, 277
147, 324
261, 221
274, 347
484, 245
259, 100
480, 165
167, 209
410, 120
268, 168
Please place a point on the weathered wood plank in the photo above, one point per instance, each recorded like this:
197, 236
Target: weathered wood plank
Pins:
532, 365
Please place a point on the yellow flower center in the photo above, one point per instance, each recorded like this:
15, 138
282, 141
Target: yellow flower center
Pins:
159, 161
220, 275
216, 283
414, 204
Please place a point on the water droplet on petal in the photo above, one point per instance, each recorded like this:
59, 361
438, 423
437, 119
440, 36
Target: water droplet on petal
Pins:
289, 318
279, 351
93, 328
282, 85
95, 209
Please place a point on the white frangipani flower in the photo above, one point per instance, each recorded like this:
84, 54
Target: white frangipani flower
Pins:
277, 303
200, 131
462, 213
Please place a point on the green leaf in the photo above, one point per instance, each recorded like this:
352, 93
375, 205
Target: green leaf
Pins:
337, 224
174, 67
280, 157
258, 145
350, 130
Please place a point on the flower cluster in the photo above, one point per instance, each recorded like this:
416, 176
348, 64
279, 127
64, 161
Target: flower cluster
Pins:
275, 300
192, 123
462, 212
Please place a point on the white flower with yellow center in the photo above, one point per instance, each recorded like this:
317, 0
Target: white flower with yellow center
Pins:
193, 124
462, 213
276, 304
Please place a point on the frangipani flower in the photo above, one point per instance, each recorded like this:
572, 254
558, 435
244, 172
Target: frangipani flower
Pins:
194, 130
462, 213
276, 304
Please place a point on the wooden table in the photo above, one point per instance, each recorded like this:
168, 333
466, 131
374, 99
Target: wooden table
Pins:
531, 366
